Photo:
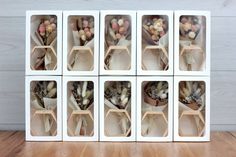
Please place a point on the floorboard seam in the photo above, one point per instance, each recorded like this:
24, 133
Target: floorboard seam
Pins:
231, 134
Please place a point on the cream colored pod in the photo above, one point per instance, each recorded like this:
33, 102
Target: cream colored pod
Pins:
43, 108
155, 42
118, 42
80, 109
81, 42
117, 109
192, 43
43, 42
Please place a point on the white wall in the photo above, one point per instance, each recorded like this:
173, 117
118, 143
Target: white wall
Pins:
223, 54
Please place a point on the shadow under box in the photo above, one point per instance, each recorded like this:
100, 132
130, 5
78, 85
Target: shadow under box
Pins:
43, 108
155, 42
192, 108
80, 43
80, 108
192, 43
43, 33
117, 55
117, 109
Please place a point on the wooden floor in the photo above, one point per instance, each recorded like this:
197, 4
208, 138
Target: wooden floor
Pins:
12, 144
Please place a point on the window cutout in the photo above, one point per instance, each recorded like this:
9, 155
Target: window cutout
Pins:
155, 42
192, 108
43, 108
117, 108
192, 43
80, 108
80, 43
154, 111
117, 55
43, 36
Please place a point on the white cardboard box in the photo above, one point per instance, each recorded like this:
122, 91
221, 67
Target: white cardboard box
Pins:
34, 116
87, 61
163, 113
123, 60
91, 113
34, 46
192, 51
191, 123
111, 128
152, 55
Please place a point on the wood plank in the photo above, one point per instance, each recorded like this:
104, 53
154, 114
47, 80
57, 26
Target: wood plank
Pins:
223, 98
223, 44
13, 144
218, 7
12, 44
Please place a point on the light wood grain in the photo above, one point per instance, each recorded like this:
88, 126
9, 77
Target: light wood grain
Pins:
218, 7
13, 144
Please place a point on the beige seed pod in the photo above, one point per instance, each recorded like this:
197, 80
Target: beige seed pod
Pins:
123, 94
86, 101
84, 88
52, 93
124, 102
50, 85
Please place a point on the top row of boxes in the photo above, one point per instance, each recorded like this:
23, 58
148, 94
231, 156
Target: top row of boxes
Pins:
127, 43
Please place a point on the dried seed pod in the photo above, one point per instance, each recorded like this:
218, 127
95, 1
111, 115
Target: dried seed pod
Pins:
123, 94
121, 22
50, 85
124, 102
89, 93
84, 88
186, 92
114, 100
189, 86
159, 86
79, 92
86, 101
52, 93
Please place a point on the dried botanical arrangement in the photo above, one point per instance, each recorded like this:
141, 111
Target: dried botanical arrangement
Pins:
154, 121
155, 40
80, 104
43, 105
43, 34
80, 56
191, 108
117, 42
156, 93
191, 93
190, 29
117, 98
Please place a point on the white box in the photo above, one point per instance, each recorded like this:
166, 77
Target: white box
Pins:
45, 122
154, 111
192, 109
117, 122
155, 42
192, 43
80, 44
118, 32
43, 49
74, 116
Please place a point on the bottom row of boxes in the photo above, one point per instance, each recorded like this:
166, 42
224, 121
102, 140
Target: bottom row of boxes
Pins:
117, 108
